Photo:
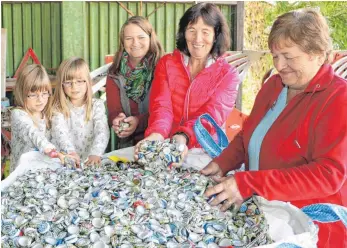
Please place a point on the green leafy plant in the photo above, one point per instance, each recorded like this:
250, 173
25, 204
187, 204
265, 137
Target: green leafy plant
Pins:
259, 17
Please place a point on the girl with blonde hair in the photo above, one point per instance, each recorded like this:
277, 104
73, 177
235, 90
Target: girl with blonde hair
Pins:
79, 122
29, 122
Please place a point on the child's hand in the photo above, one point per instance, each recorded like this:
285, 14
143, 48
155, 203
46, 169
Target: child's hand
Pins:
75, 156
116, 121
93, 160
51, 152
133, 122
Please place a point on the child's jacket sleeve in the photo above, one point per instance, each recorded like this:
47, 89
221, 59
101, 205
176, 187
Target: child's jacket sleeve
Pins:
22, 124
101, 129
61, 134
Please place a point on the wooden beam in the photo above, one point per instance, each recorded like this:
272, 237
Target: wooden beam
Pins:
155, 10
3, 61
238, 38
239, 25
125, 8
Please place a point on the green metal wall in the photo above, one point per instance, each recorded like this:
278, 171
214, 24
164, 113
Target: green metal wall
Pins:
106, 18
32, 24
57, 30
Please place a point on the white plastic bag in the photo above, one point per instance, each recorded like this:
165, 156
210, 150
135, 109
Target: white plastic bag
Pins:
30, 161
288, 225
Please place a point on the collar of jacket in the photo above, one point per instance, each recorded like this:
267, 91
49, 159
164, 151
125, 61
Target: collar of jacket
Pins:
319, 82
177, 54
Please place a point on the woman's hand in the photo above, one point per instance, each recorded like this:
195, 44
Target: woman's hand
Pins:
182, 140
93, 160
116, 122
226, 193
213, 170
133, 123
153, 136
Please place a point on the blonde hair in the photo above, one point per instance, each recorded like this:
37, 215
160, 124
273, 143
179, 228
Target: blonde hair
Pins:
33, 78
155, 48
69, 69
306, 28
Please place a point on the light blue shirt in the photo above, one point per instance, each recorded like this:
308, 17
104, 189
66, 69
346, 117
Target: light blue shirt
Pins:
262, 129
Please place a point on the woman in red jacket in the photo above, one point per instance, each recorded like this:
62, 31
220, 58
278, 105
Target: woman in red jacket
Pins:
130, 78
194, 79
294, 143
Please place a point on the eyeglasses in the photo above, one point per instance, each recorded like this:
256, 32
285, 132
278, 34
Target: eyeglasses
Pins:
43, 95
68, 84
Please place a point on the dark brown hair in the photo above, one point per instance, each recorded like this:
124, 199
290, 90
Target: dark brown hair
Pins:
211, 16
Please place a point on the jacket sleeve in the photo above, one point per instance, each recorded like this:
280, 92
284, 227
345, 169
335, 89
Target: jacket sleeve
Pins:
160, 104
114, 105
233, 156
101, 130
61, 133
321, 177
219, 106
25, 127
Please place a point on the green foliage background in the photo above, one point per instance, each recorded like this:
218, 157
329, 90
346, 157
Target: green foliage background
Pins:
259, 17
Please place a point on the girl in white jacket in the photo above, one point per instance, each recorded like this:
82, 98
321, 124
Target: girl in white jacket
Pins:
29, 122
79, 122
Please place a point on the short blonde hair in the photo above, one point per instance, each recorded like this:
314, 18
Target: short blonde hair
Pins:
33, 78
306, 28
70, 69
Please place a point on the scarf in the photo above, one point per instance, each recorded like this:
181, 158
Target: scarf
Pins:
138, 79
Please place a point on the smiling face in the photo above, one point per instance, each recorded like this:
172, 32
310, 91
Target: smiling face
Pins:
295, 67
200, 38
76, 88
136, 42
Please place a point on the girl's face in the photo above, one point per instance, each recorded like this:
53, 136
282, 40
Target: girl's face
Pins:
76, 89
37, 101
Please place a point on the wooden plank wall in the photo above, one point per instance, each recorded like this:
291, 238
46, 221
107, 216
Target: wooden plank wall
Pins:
105, 20
32, 24
47, 27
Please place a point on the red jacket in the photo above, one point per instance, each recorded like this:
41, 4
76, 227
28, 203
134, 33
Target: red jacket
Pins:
114, 108
303, 157
176, 101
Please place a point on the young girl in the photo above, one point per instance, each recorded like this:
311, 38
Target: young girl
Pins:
79, 122
29, 124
